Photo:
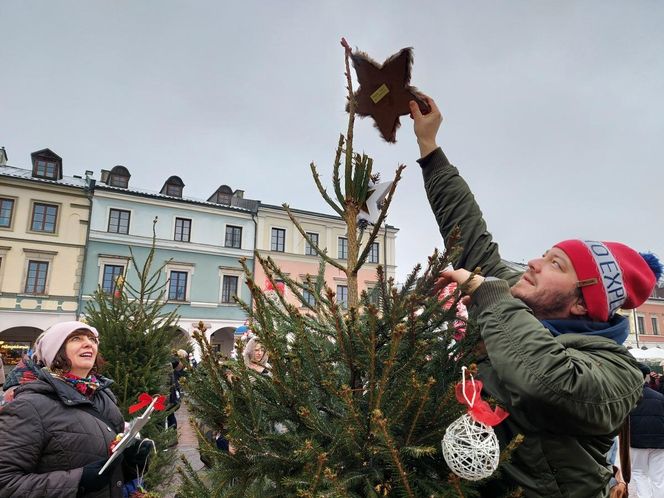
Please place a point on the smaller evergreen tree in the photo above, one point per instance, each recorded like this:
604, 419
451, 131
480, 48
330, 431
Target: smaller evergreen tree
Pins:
136, 337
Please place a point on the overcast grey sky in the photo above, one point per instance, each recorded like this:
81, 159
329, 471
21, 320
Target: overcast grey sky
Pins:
554, 110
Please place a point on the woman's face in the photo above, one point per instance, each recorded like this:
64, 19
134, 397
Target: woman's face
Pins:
259, 352
81, 351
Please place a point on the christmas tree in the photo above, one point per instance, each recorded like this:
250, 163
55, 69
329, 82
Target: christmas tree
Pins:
136, 338
357, 399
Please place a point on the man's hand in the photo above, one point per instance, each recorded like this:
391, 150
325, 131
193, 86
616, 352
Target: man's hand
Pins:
426, 125
461, 277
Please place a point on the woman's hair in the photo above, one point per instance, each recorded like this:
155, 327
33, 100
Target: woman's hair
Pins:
248, 353
62, 363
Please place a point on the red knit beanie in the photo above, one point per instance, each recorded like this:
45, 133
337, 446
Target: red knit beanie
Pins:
611, 275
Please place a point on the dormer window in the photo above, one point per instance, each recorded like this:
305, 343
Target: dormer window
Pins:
173, 187
46, 164
223, 195
119, 177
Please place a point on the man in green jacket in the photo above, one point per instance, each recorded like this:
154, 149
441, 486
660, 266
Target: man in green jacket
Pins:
554, 356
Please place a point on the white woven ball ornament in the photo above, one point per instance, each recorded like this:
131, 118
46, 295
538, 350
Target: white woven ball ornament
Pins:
470, 448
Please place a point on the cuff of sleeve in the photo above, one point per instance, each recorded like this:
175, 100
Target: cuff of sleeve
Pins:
491, 291
435, 156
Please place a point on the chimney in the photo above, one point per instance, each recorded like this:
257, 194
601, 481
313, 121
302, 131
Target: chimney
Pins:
3, 156
104, 175
239, 194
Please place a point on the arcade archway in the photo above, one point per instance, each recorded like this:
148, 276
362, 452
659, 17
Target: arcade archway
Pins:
222, 341
15, 342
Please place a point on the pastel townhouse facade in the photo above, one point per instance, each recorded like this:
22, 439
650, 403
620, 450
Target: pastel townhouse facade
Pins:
278, 238
44, 219
647, 322
200, 242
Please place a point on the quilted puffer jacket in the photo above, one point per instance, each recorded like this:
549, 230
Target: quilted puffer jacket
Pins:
49, 433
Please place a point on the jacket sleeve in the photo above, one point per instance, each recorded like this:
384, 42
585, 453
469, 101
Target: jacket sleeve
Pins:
586, 390
453, 205
23, 439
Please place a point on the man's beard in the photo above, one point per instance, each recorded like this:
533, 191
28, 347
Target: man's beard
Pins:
549, 305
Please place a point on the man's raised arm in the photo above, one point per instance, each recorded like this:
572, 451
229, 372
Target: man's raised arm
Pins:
452, 201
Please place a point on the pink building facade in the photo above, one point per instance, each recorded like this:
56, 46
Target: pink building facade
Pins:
277, 237
650, 320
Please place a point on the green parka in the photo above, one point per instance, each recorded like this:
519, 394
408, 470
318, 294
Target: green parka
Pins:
567, 395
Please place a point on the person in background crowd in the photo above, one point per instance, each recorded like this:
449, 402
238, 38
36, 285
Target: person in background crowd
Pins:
654, 381
24, 371
647, 442
255, 357
175, 395
554, 356
57, 431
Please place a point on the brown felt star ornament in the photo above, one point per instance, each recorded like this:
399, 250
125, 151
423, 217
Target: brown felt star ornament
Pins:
385, 90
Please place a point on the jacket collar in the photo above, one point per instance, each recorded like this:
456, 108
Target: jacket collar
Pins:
50, 386
617, 329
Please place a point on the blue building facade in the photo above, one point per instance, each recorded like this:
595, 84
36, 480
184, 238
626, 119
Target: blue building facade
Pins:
198, 243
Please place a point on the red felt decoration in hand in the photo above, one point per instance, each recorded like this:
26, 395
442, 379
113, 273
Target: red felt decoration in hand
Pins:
479, 409
144, 400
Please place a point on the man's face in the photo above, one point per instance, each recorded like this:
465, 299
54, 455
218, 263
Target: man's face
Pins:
548, 287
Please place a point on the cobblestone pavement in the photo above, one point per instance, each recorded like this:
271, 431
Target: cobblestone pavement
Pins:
187, 446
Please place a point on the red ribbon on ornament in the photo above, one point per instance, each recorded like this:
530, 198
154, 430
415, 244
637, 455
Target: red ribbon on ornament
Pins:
478, 409
280, 287
144, 400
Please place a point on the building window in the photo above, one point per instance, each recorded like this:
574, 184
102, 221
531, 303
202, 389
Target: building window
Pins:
118, 221
110, 278
655, 328
308, 248
640, 325
342, 248
182, 229
373, 253
229, 288
6, 212
233, 237
342, 295
46, 169
173, 190
278, 240
35, 283
308, 297
44, 217
177, 286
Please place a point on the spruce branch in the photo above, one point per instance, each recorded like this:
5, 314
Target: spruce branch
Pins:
381, 422
424, 398
351, 122
323, 191
395, 340
336, 181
